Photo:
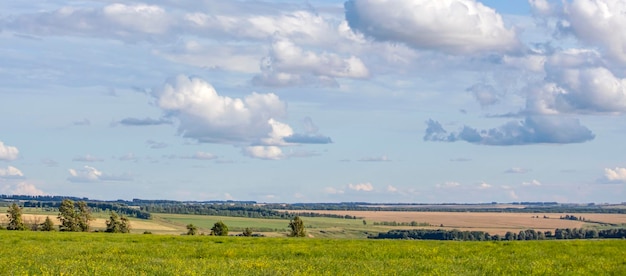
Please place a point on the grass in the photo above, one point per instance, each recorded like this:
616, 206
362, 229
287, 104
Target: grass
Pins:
41, 253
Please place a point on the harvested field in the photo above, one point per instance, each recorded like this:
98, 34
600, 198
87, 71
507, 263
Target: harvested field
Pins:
99, 223
494, 223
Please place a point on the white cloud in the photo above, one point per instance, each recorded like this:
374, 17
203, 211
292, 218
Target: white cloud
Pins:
451, 26
22, 188
11, 172
617, 175
534, 182
516, 170
601, 23
206, 116
361, 187
8, 152
91, 174
264, 152
288, 64
484, 185
540, 7
391, 189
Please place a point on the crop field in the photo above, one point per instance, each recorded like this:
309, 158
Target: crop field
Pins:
493, 223
59, 253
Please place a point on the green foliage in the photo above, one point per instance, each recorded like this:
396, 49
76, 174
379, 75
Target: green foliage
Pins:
297, 227
247, 232
14, 214
192, 230
219, 229
59, 253
74, 218
47, 225
117, 224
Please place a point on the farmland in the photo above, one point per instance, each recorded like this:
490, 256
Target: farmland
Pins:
58, 253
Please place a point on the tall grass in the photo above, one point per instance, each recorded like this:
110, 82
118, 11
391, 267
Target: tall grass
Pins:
37, 253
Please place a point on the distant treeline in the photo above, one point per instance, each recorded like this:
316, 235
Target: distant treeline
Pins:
559, 234
231, 210
95, 206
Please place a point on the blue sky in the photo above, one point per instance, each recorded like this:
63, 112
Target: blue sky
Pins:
314, 101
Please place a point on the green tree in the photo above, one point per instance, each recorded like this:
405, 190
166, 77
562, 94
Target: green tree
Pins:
47, 225
14, 214
297, 227
247, 232
117, 224
74, 218
219, 229
192, 229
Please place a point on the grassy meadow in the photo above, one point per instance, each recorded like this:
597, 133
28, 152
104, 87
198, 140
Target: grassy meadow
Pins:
57, 253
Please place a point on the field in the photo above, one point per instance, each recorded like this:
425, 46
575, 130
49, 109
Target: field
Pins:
57, 253
493, 223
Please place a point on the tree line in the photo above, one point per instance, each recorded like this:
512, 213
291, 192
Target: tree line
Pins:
529, 234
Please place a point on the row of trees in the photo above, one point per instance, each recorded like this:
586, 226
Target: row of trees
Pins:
74, 217
529, 234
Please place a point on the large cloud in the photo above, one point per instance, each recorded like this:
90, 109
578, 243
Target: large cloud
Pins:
209, 117
451, 26
617, 175
601, 23
250, 122
8, 152
576, 81
532, 130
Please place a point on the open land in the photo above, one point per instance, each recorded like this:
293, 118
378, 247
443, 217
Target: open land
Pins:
65, 253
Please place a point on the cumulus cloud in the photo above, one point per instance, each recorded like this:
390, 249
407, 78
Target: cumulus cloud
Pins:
451, 26
11, 172
264, 152
598, 22
531, 130
484, 185
91, 174
8, 152
486, 95
288, 64
617, 175
22, 188
206, 116
361, 187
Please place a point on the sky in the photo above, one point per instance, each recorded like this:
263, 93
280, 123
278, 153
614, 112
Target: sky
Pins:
412, 101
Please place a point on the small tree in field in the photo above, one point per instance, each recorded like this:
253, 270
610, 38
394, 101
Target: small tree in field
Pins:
192, 229
14, 214
74, 218
297, 227
117, 224
219, 229
47, 225
247, 232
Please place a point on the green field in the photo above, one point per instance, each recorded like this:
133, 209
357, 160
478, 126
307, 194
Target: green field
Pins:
56, 253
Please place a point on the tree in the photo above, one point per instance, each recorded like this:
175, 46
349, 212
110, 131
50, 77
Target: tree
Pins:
192, 229
14, 214
117, 224
247, 232
219, 229
74, 218
297, 227
47, 225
